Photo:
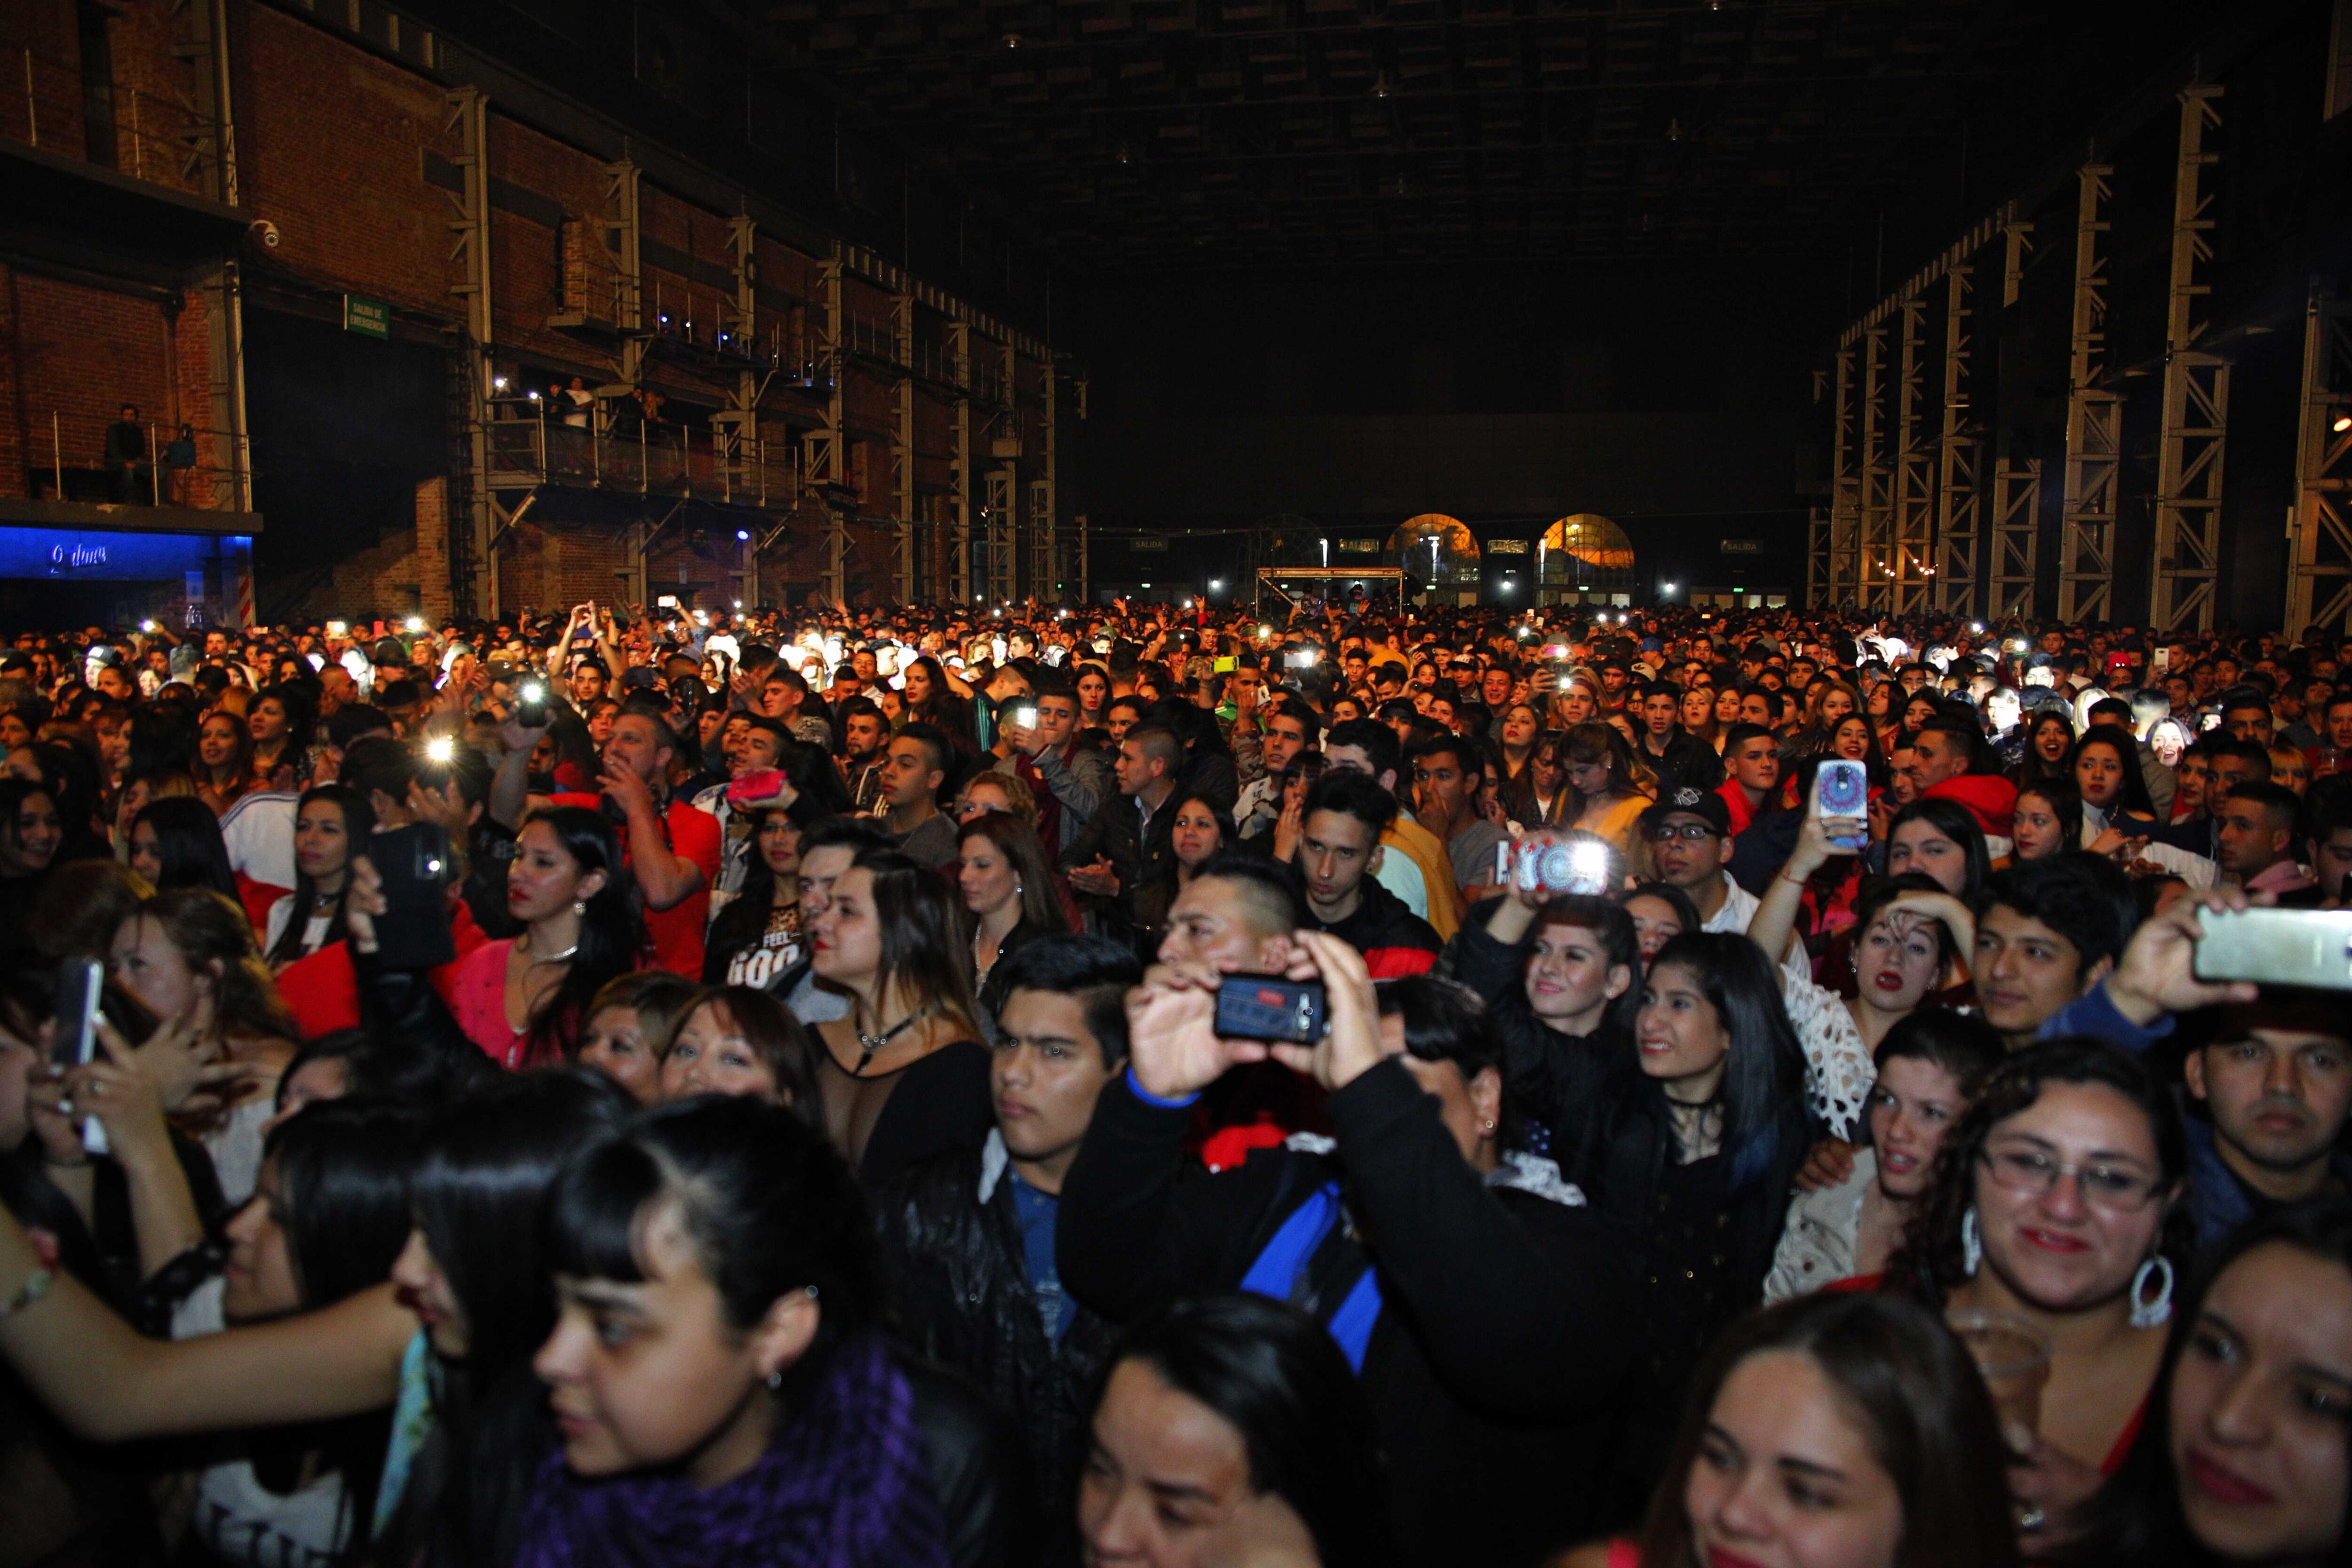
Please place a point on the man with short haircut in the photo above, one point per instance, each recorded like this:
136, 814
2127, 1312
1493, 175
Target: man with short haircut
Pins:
2328, 815
1948, 756
1337, 851
1122, 861
1068, 785
1679, 759
2254, 838
1751, 762
2047, 932
2272, 1069
914, 765
672, 849
969, 1235
1418, 873
863, 735
2246, 716
785, 696
1290, 727
1446, 773
759, 748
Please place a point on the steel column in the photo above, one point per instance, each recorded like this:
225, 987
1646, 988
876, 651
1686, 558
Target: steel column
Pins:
1959, 504
1876, 517
1045, 553
1840, 579
823, 460
2319, 560
468, 119
2186, 578
2094, 414
902, 447
1003, 480
1914, 542
960, 573
2016, 538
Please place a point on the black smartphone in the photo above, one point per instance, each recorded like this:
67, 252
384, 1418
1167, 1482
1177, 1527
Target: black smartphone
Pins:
530, 704
414, 930
1268, 1007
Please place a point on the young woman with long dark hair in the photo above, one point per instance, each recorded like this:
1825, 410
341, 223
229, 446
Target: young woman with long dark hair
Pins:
332, 823
904, 1075
175, 842
761, 933
1694, 1148
1007, 888
2245, 1459
524, 1000
223, 760
279, 721
2048, 817
1831, 1430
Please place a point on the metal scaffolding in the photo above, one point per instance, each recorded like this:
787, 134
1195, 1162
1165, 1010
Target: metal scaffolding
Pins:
2319, 562
1958, 501
1002, 507
960, 576
2196, 398
1910, 569
1875, 518
1045, 541
902, 447
212, 147
469, 229
821, 455
2016, 538
2093, 419
1837, 578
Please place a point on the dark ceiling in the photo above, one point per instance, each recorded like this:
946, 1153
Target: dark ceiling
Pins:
1134, 134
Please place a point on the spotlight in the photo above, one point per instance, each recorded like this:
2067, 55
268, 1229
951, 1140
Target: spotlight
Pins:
1217, 584
742, 536
2343, 423
497, 383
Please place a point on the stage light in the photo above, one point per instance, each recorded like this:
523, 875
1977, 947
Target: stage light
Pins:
742, 535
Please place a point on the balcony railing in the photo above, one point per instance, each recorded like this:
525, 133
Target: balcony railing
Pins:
82, 458
149, 136
527, 448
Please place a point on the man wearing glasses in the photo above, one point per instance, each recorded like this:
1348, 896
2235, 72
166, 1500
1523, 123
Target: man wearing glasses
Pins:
1689, 835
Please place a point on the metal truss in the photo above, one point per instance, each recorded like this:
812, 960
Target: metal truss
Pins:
902, 448
2016, 538
2196, 398
1959, 500
822, 459
1838, 579
1819, 533
1911, 550
1044, 542
2319, 562
996, 507
2093, 420
1874, 519
1004, 491
960, 576
470, 229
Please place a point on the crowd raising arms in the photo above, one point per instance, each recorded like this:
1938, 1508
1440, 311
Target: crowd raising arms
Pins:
828, 1122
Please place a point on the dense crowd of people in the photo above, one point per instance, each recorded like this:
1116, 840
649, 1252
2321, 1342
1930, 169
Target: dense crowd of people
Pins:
667, 1088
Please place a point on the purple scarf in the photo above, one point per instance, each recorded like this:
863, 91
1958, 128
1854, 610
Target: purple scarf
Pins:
843, 1485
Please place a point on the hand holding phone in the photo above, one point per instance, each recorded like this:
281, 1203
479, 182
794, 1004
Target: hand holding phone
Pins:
1841, 795
74, 1038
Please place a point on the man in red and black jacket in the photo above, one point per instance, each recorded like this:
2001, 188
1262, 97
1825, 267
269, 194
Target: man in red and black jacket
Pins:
1338, 850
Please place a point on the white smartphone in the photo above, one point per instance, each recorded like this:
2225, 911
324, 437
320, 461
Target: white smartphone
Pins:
2277, 947
74, 1040
1841, 788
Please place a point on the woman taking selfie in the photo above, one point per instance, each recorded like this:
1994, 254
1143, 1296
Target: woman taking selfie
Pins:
1007, 888
1930, 1066
904, 1076
522, 1000
1830, 1432
2245, 1459
2056, 1202
719, 1373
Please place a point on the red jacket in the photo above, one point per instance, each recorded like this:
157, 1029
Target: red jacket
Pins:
1991, 799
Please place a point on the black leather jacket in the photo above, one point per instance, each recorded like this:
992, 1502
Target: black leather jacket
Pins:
964, 1300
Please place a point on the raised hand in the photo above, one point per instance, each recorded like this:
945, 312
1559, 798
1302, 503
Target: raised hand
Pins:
1172, 1042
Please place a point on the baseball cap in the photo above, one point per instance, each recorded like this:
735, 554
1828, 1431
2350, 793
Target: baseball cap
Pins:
1700, 803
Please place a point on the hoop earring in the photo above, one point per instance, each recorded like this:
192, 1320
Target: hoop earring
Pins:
1971, 1243
2145, 1313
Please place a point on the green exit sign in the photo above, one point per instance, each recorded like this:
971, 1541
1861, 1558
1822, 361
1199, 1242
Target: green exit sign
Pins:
368, 318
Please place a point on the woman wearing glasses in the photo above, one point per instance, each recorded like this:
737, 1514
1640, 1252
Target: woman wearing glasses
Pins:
2055, 1206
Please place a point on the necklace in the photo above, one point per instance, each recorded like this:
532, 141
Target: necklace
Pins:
867, 1045
522, 944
